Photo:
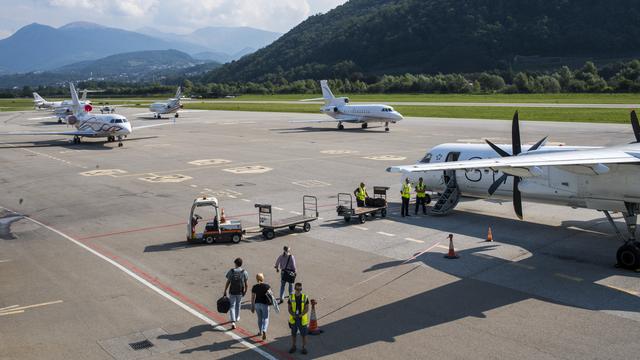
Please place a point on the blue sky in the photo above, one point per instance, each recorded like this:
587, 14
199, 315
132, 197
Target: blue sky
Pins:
179, 16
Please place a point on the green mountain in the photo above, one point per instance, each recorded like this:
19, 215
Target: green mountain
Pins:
372, 37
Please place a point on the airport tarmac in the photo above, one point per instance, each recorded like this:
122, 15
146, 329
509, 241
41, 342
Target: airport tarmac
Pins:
93, 254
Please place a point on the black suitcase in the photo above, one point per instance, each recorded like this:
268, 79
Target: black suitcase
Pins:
224, 305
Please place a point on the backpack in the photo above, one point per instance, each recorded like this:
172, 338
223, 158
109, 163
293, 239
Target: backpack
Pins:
236, 283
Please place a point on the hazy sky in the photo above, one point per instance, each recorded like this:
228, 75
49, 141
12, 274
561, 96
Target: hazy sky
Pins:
170, 16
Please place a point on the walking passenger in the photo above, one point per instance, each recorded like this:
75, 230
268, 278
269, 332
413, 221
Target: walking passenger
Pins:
287, 263
260, 304
237, 284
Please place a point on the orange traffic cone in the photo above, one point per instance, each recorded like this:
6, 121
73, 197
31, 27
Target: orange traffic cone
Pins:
313, 320
452, 252
489, 235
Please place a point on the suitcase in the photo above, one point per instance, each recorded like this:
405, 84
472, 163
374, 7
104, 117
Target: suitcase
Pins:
224, 305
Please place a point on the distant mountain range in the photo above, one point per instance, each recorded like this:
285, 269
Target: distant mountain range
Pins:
139, 66
374, 37
37, 47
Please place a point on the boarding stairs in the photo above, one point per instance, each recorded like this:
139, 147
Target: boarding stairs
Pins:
448, 199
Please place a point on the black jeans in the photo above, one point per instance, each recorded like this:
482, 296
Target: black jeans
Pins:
421, 201
405, 206
359, 203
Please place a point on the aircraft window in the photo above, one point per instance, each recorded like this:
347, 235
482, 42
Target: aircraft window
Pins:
346, 101
118, 121
125, 120
112, 121
426, 159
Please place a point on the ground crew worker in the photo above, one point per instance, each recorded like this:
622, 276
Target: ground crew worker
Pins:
406, 195
361, 195
298, 317
421, 196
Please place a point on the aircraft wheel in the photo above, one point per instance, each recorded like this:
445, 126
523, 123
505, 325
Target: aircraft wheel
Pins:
120, 144
628, 256
340, 127
176, 115
59, 121
365, 125
386, 129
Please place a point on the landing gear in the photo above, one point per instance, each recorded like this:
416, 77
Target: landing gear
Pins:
176, 115
628, 255
157, 116
111, 138
76, 139
386, 126
340, 126
119, 141
59, 120
365, 125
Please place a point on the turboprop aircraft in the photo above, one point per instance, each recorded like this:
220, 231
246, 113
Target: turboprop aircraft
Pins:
171, 106
599, 178
344, 113
110, 126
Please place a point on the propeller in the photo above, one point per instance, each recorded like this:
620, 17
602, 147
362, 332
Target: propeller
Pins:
516, 149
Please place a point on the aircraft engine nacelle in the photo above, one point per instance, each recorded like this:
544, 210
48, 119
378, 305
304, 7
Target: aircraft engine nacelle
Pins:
344, 100
72, 120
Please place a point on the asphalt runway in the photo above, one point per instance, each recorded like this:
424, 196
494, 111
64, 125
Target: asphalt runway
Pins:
93, 254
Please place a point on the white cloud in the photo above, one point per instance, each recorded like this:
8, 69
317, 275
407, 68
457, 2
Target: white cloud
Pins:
166, 15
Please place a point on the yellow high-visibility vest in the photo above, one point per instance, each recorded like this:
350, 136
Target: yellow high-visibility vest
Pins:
406, 190
421, 190
362, 193
303, 300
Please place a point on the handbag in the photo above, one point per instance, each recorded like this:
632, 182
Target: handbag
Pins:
223, 304
288, 275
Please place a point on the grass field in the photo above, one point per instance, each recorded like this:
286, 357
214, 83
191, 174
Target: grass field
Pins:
498, 98
479, 112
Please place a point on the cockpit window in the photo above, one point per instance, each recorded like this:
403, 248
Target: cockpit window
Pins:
125, 120
118, 121
426, 159
346, 101
112, 121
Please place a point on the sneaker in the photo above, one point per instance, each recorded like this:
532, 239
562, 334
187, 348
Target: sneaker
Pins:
292, 350
233, 326
304, 351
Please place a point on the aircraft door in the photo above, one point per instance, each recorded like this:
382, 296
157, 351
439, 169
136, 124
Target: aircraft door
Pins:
448, 174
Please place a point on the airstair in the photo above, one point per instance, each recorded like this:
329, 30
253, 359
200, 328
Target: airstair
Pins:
448, 199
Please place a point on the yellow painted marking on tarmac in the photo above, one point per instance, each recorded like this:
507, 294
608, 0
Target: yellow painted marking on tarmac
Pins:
4, 261
520, 265
414, 240
8, 308
385, 234
568, 277
627, 291
246, 200
104, 172
442, 246
205, 162
18, 310
385, 157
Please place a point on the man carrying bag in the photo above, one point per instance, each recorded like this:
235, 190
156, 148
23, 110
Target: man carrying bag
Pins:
287, 263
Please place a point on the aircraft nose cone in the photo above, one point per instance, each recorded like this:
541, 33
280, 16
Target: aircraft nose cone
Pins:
398, 116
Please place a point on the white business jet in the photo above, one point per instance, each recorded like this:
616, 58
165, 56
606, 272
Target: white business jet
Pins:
606, 179
171, 106
61, 109
344, 113
111, 126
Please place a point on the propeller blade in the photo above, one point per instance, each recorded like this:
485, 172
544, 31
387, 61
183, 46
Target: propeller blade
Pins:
515, 135
517, 197
538, 144
496, 184
497, 149
636, 125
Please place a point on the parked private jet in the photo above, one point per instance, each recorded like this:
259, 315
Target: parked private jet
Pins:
61, 109
599, 178
171, 106
110, 126
344, 113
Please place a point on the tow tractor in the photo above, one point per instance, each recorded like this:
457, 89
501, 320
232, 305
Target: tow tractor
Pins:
218, 229
268, 226
378, 204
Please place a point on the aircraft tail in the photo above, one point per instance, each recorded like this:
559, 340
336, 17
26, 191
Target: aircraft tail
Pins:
178, 93
84, 95
37, 98
75, 102
326, 91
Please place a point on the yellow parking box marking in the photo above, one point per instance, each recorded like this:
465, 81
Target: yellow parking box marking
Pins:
568, 277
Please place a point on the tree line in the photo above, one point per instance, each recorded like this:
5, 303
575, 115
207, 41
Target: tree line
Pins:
619, 77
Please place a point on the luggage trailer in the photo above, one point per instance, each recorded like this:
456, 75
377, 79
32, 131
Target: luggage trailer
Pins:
347, 211
269, 226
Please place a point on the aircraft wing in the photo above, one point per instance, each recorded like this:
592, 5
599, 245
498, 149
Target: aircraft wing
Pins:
340, 118
526, 164
69, 133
